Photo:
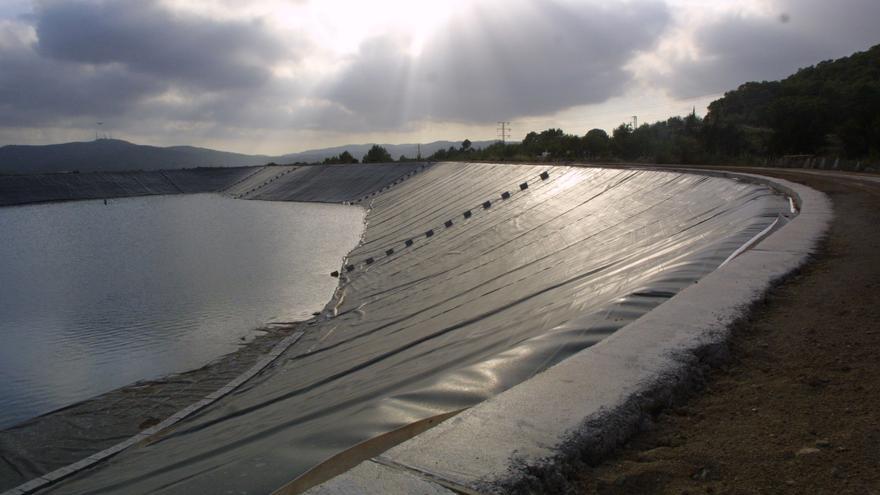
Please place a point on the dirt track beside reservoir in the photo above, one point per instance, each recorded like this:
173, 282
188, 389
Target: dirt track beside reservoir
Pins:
796, 408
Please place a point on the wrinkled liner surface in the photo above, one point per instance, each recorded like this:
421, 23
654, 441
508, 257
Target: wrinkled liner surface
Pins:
457, 317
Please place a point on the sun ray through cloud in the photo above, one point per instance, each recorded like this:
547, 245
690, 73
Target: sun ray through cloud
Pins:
273, 76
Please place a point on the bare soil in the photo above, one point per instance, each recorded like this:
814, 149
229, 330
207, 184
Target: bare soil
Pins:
797, 407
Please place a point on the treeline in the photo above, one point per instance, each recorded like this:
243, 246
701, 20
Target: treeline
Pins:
673, 141
831, 109
376, 154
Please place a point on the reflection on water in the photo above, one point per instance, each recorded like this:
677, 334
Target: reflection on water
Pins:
94, 297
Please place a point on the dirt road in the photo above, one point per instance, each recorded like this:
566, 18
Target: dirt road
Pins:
797, 408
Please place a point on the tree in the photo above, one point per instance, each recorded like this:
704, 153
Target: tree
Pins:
439, 155
596, 143
377, 154
622, 142
344, 157
466, 145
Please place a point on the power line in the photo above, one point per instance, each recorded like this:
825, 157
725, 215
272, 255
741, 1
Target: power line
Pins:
504, 131
594, 115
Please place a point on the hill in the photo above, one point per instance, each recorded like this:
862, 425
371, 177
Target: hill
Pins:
111, 155
410, 150
831, 108
114, 155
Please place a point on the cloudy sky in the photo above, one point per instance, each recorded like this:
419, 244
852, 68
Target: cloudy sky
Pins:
275, 76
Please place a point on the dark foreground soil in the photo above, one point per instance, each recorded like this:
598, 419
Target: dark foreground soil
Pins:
797, 408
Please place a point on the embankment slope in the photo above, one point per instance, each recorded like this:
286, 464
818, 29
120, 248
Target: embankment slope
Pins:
794, 410
459, 291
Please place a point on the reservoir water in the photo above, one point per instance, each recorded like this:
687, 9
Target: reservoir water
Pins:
95, 296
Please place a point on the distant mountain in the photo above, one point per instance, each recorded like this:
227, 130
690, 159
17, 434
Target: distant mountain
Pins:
410, 150
113, 155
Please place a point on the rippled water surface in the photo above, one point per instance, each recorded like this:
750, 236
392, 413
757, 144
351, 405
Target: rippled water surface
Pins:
94, 296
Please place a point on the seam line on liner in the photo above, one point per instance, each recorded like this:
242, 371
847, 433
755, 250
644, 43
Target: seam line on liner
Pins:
264, 183
246, 177
397, 181
751, 242
430, 233
49, 478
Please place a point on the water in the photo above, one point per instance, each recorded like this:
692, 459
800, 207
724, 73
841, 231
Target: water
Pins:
94, 297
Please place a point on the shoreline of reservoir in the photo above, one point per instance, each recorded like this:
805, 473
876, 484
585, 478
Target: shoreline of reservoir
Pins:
143, 287
62, 436
53, 440
379, 246
400, 300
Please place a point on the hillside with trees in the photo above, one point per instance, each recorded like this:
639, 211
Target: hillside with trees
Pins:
831, 109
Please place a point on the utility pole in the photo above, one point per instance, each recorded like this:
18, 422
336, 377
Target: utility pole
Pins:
635, 122
419, 153
504, 131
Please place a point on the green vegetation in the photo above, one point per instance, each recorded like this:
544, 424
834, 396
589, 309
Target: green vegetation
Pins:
344, 157
377, 154
831, 109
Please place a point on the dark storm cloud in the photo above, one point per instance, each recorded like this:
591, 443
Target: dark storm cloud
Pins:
530, 58
147, 38
73, 61
736, 49
34, 90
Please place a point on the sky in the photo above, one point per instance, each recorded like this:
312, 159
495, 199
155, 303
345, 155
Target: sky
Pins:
278, 76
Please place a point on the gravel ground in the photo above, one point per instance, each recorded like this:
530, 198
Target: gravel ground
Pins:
797, 407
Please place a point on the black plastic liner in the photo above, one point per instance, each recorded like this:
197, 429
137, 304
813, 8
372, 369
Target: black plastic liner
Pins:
23, 189
465, 306
335, 183
310, 183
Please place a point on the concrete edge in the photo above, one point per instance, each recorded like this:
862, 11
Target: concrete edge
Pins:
49, 478
532, 436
